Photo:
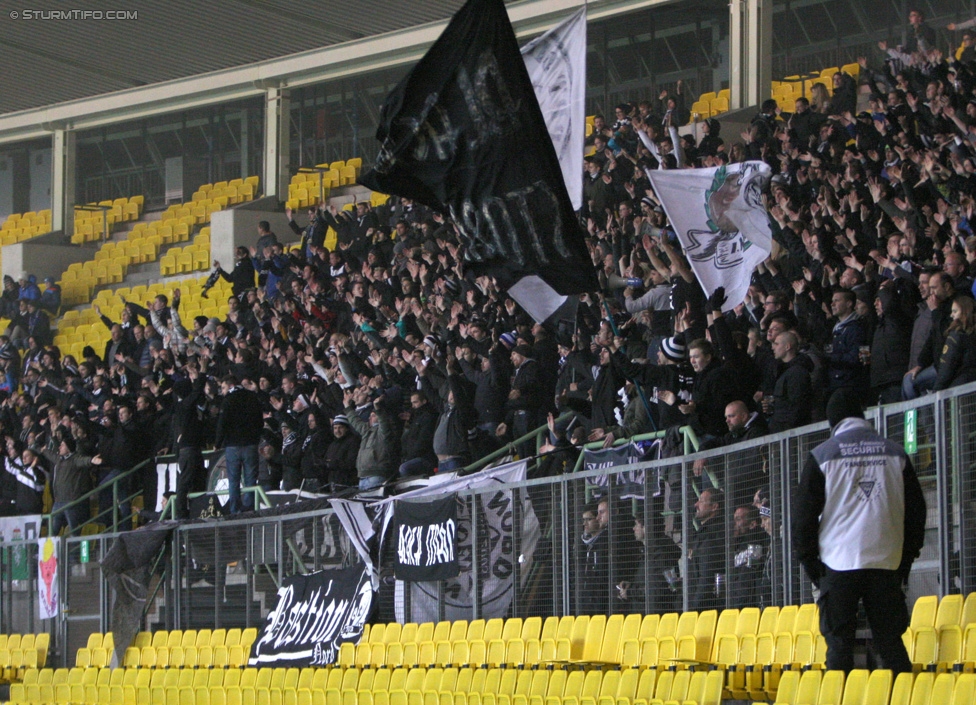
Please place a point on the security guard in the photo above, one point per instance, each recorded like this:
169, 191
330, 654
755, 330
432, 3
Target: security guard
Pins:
859, 524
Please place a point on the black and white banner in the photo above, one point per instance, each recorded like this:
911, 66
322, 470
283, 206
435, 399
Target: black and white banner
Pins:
460, 134
425, 534
315, 614
495, 548
628, 484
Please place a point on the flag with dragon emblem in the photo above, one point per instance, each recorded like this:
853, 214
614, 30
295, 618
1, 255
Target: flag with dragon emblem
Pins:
721, 222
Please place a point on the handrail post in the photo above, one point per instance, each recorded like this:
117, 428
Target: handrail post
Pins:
115, 507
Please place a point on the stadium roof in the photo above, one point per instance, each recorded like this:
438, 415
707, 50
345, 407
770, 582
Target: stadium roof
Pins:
57, 55
63, 71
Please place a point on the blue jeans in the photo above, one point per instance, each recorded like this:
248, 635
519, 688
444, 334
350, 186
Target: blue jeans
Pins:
240, 458
417, 467
449, 465
368, 483
106, 501
923, 382
72, 518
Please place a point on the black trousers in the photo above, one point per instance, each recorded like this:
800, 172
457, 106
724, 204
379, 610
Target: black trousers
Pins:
884, 603
189, 480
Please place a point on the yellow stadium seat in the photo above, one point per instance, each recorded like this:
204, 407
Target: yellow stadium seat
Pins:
167, 265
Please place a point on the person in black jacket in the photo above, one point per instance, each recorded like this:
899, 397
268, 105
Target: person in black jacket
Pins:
457, 417
242, 277
793, 394
749, 465
891, 347
525, 399
417, 443
291, 456
713, 390
340, 459
315, 448
313, 234
921, 378
116, 445
706, 566
957, 364
239, 426
189, 434
21, 481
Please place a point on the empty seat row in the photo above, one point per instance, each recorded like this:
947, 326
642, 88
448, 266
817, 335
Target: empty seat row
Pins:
20, 652
395, 687
875, 688
191, 648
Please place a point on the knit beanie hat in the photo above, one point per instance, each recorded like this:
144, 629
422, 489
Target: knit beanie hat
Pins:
845, 403
673, 349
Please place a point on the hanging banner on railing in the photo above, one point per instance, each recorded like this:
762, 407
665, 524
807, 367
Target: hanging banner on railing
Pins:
627, 485
424, 533
168, 472
500, 548
315, 615
47, 569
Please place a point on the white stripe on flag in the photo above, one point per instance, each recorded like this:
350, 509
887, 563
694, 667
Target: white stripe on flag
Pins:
556, 63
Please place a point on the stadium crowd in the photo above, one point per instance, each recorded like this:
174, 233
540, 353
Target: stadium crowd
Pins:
385, 357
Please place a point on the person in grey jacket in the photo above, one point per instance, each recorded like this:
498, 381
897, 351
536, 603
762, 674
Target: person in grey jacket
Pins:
457, 416
71, 479
379, 448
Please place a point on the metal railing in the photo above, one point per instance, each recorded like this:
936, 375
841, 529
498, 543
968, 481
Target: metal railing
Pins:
113, 486
526, 554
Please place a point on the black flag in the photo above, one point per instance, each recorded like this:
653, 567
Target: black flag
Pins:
425, 540
463, 134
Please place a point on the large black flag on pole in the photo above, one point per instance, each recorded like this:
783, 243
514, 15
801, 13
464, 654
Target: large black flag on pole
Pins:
463, 134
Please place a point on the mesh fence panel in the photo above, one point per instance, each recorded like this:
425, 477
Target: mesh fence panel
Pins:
675, 534
84, 596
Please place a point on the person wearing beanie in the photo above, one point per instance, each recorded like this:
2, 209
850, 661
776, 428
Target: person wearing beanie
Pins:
525, 403
508, 340
340, 458
858, 524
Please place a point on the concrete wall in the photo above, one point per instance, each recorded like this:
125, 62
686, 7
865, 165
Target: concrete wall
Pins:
40, 179
239, 226
45, 257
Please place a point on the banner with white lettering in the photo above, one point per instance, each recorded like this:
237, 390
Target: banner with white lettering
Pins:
314, 616
627, 484
424, 533
463, 133
495, 547
721, 222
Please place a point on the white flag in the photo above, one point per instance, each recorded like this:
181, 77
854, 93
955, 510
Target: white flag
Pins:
48, 596
556, 62
721, 222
